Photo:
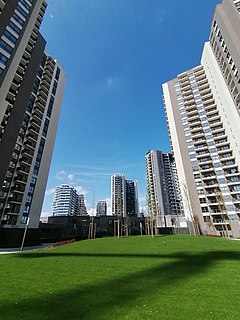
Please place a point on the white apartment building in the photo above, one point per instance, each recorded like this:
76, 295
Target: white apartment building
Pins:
202, 109
67, 202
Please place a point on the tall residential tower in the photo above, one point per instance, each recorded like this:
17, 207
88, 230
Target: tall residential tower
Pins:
101, 208
124, 195
163, 192
202, 108
31, 89
67, 202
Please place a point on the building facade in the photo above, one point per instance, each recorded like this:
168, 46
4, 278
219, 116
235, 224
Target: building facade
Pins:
31, 90
67, 202
118, 195
132, 204
202, 109
101, 208
82, 210
163, 193
124, 195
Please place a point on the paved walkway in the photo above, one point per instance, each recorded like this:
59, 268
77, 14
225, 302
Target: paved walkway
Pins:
17, 250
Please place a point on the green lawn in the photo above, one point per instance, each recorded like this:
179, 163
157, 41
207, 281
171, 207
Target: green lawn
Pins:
171, 277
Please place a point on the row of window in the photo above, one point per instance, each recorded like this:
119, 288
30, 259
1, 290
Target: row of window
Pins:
225, 50
11, 37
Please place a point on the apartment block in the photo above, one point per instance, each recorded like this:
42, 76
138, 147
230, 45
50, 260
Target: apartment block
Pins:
124, 195
67, 202
132, 203
31, 90
101, 208
118, 195
163, 193
202, 109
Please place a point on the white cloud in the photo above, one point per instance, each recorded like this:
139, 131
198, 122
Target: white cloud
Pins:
81, 190
64, 175
45, 214
111, 81
51, 16
70, 177
50, 192
61, 175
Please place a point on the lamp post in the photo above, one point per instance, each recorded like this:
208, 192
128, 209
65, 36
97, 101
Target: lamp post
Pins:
24, 235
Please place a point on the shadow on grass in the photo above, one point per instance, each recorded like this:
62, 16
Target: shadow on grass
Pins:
114, 298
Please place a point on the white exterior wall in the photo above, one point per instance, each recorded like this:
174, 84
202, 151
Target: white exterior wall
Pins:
223, 98
178, 137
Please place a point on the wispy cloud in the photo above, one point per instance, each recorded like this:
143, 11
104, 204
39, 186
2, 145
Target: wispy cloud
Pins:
72, 179
64, 175
50, 192
107, 167
81, 190
46, 214
111, 81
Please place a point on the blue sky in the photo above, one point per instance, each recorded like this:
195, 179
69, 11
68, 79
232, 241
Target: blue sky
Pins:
116, 55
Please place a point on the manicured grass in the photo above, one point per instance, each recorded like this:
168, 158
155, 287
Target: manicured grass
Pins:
171, 277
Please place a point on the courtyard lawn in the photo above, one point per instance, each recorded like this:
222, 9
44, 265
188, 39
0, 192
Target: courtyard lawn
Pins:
168, 277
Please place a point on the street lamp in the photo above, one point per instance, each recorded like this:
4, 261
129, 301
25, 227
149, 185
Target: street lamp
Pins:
24, 235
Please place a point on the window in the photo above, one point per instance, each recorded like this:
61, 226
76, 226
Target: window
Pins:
25, 4
14, 27
57, 74
54, 89
26, 209
43, 60
29, 199
45, 128
33, 180
222, 180
10, 37
30, 103
18, 19
5, 46
235, 179
50, 106
35, 86
21, 11
3, 58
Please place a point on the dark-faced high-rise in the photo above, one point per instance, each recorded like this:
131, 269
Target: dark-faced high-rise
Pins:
31, 89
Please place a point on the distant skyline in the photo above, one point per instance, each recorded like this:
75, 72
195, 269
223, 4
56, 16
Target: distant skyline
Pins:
116, 55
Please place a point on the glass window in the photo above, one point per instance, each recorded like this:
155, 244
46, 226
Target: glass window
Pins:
5, 46
3, 58
21, 11
222, 180
10, 37
14, 27
25, 4
18, 19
